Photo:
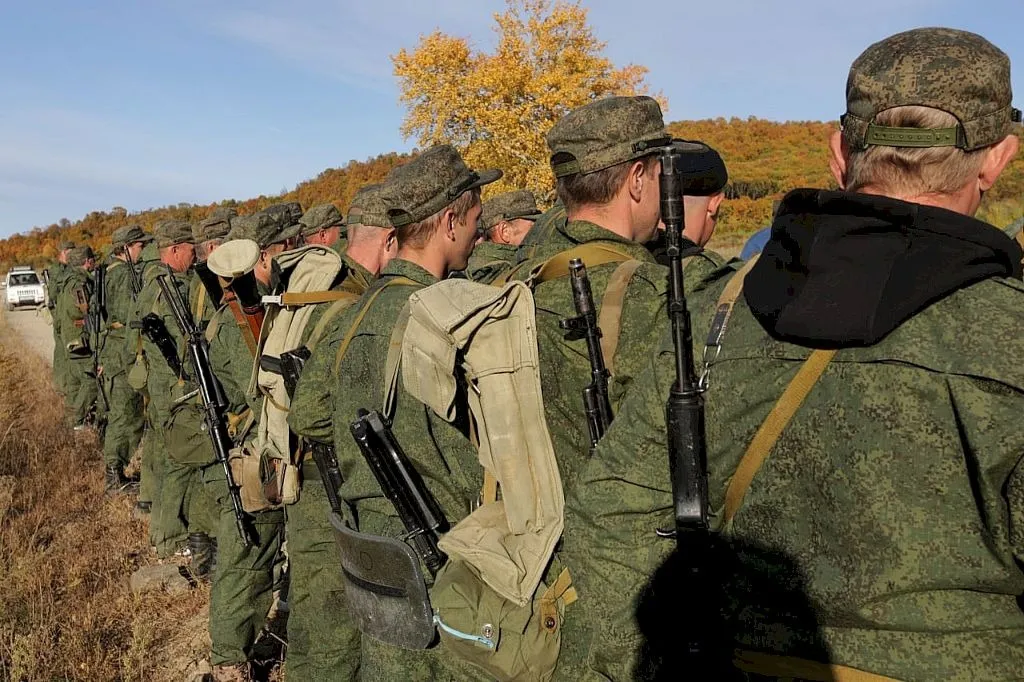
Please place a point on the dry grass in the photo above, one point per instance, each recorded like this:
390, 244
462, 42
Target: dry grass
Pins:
67, 552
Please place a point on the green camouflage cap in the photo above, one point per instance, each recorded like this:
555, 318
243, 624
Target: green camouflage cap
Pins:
289, 213
216, 225
958, 72
433, 180
319, 218
80, 254
605, 133
65, 245
263, 228
171, 232
369, 207
508, 206
129, 234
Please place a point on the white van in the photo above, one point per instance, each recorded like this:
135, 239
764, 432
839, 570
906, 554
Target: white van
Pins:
24, 287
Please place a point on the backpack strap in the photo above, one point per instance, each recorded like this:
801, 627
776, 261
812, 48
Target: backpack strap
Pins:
394, 361
592, 254
791, 668
609, 319
342, 304
297, 299
771, 429
347, 340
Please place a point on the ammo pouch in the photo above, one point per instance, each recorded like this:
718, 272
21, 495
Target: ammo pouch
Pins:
138, 373
384, 588
264, 482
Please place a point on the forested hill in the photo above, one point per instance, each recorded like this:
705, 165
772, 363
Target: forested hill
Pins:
765, 160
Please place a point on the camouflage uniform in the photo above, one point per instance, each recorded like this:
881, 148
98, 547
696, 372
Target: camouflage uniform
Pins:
881, 532
75, 344
125, 420
441, 451
57, 274
491, 259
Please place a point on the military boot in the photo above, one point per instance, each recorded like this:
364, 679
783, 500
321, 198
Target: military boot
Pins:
232, 673
204, 555
117, 483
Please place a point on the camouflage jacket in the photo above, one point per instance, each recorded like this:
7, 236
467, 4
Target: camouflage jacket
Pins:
882, 532
56, 275
489, 260
115, 355
440, 451
70, 312
163, 385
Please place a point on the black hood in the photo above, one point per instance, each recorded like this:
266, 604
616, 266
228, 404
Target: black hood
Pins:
844, 269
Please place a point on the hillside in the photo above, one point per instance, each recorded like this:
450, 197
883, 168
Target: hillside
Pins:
765, 160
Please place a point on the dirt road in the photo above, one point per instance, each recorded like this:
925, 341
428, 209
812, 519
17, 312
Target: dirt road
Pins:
33, 325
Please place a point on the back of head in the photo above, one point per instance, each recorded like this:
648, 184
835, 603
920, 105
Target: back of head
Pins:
368, 210
593, 146
79, 255
922, 108
508, 206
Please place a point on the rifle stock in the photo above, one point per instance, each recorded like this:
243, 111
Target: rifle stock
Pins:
215, 404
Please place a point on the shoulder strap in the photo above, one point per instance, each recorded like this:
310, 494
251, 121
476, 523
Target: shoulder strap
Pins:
211, 328
340, 305
723, 311
609, 319
592, 254
312, 297
343, 348
771, 429
394, 361
243, 326
200, 304
790, 668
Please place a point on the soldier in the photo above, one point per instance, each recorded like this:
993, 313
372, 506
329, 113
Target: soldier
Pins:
125, 419
864, 447
211, 231
434, 205
55, 283
322, 225
165, 381
76, 343
504, 223
314, 645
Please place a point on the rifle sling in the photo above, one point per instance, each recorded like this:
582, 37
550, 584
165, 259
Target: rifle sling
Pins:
771, 429
243, 325
609, 319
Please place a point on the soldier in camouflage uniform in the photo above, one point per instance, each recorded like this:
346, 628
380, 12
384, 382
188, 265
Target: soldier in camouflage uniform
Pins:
76, 345
434, 205
56, 275
504, 223
323, 225
125, 419
164, 383
871, 528
241, 593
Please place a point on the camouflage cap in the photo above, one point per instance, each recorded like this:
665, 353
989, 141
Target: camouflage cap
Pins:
171, 232
216, 225
129, 234
941, 68
65, 245
508, 206
434, 179
80, 254
263, 228
702, 168
319, 218
605, 133
289, 213
368, 207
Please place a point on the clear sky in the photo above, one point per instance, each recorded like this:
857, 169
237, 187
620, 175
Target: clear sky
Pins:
144, 103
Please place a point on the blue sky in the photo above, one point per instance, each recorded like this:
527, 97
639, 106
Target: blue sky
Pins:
148, 103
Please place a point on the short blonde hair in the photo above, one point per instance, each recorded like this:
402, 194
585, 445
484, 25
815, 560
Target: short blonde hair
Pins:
417, 234
912, 171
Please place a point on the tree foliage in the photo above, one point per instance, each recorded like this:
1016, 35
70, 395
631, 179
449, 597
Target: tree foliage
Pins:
496, 107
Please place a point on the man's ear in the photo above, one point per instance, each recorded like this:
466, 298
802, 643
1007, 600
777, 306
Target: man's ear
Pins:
636, 181
504, 228
448, 223
996, 159
715, 202
837, 154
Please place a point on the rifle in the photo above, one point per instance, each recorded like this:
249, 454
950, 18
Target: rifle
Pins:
402, 485
596, 404
325, 457
210, 282
684, 411
135, 278
215, 404
95, 319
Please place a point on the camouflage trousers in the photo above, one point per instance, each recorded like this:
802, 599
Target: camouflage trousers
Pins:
125, 422
242, 590
81, 393
60, 367
185, 505
322, 645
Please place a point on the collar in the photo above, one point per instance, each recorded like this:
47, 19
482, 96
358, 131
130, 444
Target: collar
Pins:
399, 267
584, 231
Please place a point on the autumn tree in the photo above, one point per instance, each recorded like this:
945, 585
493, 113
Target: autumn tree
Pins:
496, 107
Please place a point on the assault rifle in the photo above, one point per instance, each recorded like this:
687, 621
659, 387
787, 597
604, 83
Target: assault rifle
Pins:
135, 277
402, 485
291, 365
95, 320
596, 404
215, 404
153, 328
684, 411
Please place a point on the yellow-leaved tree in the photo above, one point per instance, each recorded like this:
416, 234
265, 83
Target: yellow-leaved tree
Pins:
496, 107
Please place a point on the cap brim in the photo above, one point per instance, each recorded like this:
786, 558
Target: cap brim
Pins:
234, 258
288, 233
531, 216
486, 177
